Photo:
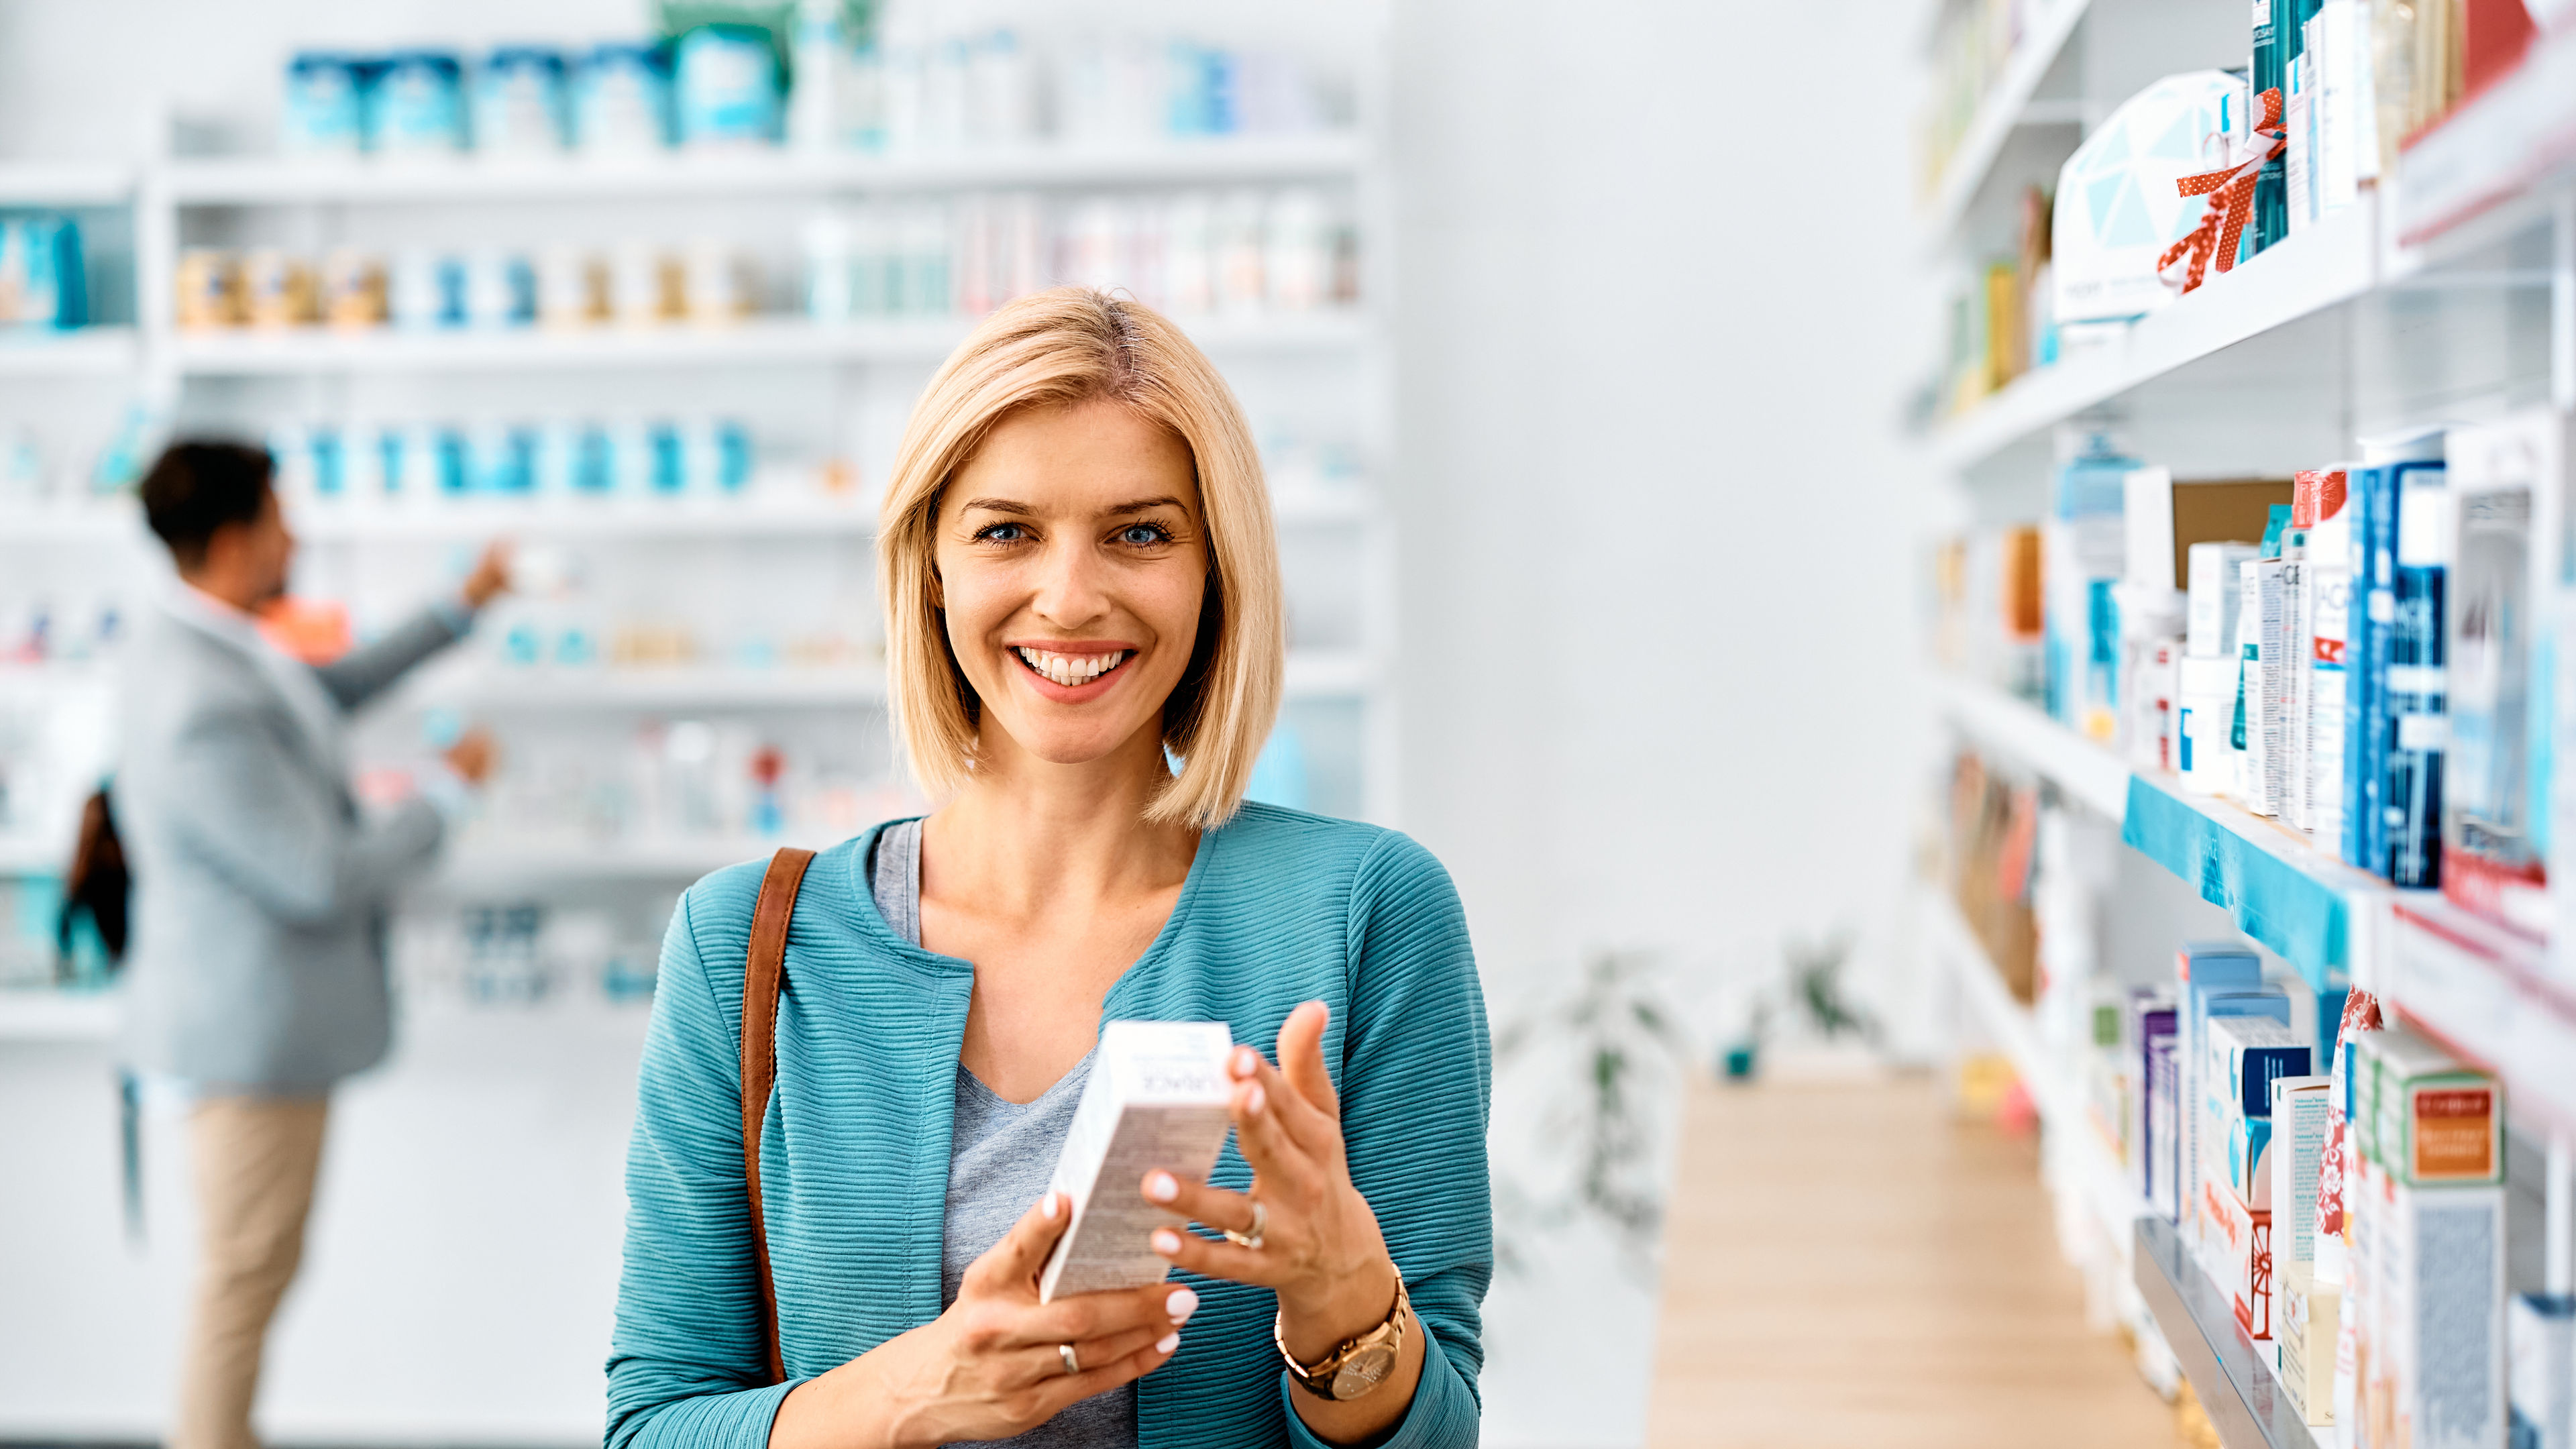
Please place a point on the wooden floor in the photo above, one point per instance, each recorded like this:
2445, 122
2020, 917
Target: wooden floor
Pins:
1850, 1264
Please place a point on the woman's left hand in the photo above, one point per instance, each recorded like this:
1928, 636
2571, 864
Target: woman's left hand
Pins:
1320, 1248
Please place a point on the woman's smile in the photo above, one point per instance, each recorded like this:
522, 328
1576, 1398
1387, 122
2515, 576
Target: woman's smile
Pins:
1074, 669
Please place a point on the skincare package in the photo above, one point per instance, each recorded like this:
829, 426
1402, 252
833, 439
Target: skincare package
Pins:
1156, 1098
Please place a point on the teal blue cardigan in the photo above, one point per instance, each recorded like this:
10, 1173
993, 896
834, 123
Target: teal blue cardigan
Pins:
1279, 907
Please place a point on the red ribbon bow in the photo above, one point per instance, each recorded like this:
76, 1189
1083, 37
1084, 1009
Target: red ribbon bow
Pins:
2231, 201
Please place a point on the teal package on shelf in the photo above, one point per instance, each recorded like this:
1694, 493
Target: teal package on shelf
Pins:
2301, 918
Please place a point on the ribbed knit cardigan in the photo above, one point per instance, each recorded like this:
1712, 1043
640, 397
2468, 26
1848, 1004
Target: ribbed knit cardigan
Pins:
1279, 907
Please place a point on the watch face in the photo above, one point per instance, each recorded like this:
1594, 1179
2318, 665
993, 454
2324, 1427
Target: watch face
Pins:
1364, 1370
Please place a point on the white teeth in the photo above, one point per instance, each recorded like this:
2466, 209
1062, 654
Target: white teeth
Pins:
1071, 670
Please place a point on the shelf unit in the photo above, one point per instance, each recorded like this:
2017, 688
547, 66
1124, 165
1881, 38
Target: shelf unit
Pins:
261, 377
2008, 106
35, 1015
2332, 263
2454, 257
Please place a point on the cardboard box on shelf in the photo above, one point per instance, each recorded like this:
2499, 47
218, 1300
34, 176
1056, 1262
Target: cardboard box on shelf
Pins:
2239, 1257
2440, 1123
2306, 1318
2298, 1152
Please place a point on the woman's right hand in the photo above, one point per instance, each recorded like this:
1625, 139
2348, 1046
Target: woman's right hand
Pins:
990, 1366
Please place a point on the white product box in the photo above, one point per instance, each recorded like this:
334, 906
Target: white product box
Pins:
2204, 747
2540, 1332
2306, 1318
2213, 594
1156, 1098
2442, 1359
2298, 1146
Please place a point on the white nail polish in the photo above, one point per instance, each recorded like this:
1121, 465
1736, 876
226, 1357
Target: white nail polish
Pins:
1180, 1305
1046, 1207
1170, 1341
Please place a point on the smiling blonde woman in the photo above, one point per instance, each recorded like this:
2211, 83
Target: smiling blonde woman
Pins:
1081, 590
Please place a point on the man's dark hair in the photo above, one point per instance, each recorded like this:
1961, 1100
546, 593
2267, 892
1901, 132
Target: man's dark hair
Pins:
196, 488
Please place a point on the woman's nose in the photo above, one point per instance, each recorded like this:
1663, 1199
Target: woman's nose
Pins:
1071, 589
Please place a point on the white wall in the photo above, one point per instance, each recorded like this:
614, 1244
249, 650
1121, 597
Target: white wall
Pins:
1659, 608
1660, 592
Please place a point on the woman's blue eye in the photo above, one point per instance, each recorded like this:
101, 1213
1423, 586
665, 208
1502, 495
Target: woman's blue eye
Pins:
1142, 534
1003, 533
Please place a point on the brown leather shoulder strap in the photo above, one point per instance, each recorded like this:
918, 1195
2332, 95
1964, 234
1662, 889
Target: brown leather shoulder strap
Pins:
764, 970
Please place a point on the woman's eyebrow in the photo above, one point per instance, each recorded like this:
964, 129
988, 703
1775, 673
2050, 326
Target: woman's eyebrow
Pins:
996, 505
1143, 505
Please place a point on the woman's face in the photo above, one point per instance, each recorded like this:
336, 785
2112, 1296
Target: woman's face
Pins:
1072, 566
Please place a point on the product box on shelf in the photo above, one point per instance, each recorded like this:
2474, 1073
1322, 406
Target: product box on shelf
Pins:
2438, 1123
2214, 1099
2322, 499
2439, 1322
2262, 627
2306, 1318
2151, 1039
2491, 864
2247, 1053
2540, 1336
2118, 208
2237, 1255
2084, 553
2298, 1149
2202, 969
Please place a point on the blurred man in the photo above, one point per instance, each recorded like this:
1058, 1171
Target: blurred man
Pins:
257, 967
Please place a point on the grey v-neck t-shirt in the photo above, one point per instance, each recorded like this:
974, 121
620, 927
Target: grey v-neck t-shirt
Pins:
1001, 1156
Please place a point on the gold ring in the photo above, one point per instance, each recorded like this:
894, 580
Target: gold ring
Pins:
1260, 1225
1065, 1352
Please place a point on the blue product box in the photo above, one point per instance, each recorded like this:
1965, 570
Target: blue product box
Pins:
416, 104
726, 88
325, 112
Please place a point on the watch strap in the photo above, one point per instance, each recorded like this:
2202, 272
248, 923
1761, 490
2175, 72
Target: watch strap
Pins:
1318, 1378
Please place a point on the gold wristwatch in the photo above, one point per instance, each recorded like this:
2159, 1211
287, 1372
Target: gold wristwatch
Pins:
1359, 1364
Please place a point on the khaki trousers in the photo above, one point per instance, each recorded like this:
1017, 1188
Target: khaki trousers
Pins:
254, 1163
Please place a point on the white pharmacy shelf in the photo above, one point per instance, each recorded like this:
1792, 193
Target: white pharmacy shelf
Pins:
113, 520
30, 352
535, 866
2329, 264
2234, 1382
2492, 994
23, 855
684, 519
2489, 994
39, 1014
67, 183
2021, 731
265, 181
502, 689
2008, 105
2513, 142
767, 340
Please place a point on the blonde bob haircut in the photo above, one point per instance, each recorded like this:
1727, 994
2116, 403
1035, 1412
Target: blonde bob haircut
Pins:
1059, 349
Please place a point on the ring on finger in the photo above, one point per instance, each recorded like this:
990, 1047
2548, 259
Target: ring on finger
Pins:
1065, 1351
1260, 1226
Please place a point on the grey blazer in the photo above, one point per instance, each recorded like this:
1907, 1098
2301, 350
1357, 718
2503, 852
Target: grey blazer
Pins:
257, 959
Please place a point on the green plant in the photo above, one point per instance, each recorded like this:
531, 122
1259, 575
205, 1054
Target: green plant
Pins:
1618, 1048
